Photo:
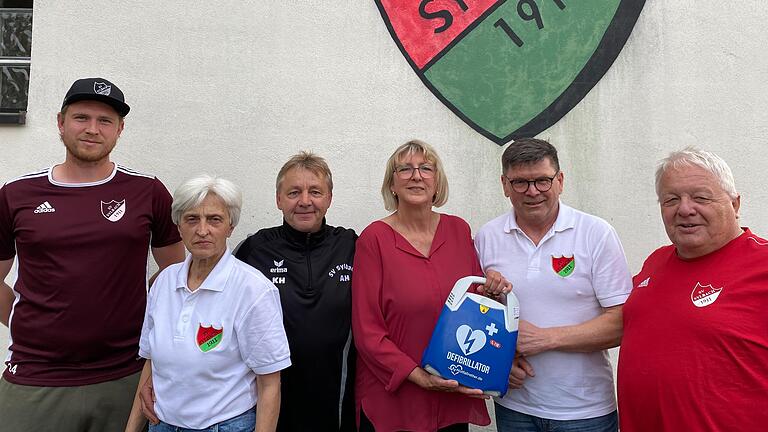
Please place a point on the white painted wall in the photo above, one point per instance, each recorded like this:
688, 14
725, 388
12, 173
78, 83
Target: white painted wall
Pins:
236, 88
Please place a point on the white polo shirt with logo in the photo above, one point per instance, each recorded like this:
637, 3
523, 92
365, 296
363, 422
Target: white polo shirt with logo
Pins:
577, 269
207, 346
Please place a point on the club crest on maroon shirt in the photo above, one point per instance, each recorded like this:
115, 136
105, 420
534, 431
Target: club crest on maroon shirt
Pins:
113, 210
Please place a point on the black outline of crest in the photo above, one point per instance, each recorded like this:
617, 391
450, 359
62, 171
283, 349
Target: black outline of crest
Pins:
613, 41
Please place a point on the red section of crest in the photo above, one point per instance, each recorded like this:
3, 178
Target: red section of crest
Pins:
204, 334
559, 263
417, 32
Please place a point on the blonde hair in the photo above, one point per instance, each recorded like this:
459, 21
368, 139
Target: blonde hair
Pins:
307, 161
410, 148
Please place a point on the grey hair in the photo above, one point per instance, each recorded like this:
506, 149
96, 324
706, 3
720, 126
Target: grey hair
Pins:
193, 191
691, 156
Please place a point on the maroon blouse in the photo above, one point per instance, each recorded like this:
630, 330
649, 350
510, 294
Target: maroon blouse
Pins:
397, 296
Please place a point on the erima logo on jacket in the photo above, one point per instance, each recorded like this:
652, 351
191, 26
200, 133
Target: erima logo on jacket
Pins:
278, 268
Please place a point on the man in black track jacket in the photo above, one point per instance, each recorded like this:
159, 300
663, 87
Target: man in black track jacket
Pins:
310, 262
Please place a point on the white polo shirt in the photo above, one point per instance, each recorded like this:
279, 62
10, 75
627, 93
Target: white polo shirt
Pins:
567, 386
208, 345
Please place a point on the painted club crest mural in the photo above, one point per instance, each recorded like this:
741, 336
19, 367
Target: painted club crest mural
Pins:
510, 68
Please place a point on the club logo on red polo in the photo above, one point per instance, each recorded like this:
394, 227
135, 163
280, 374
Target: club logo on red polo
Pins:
704, 295
510, 68
209, 337
113, 211
563, 265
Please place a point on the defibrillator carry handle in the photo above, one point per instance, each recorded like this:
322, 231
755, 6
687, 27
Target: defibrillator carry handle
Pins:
461, 286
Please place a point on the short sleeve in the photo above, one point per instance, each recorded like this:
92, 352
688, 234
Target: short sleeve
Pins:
261, 336
164, 231
611, 278
468, 245
145, 347
7, 241
480, 248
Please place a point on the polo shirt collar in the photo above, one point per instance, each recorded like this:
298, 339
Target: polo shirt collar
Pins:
565, 220
215, 280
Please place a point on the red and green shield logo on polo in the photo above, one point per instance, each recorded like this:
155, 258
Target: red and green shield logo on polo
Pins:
563, 265
510, 68
208, 337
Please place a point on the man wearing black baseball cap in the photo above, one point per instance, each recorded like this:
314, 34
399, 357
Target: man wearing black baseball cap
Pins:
97, 89
82, 230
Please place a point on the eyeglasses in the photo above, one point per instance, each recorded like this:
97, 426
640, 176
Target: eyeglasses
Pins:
542, 184
405, 172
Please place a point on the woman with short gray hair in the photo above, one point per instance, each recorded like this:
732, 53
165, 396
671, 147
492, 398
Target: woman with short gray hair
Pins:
193, 192
213, 330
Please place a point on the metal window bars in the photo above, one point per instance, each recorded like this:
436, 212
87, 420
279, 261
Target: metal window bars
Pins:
15, 61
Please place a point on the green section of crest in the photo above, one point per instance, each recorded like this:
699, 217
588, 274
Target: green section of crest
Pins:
210, 343
568, 269
501, 86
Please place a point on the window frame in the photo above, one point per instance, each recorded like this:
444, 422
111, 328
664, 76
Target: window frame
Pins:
16, 117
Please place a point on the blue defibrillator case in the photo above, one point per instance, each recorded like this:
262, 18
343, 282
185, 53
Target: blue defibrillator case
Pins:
474, 340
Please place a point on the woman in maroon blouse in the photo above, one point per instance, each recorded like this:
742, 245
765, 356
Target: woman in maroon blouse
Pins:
405, 266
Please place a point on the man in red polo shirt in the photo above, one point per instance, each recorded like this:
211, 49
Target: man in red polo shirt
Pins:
81, 230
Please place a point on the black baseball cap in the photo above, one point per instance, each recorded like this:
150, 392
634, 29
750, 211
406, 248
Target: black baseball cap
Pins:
97, 89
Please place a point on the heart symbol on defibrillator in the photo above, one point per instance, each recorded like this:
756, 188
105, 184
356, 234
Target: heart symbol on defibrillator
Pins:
470, 341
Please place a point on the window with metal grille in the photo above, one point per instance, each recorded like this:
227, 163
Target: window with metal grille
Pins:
15, 59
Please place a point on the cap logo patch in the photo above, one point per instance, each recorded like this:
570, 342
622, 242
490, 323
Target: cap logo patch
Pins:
102, 88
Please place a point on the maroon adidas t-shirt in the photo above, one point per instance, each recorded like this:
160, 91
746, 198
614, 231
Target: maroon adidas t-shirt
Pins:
82, 265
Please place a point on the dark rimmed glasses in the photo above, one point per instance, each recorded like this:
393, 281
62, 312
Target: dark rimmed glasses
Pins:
542, 184
405, 172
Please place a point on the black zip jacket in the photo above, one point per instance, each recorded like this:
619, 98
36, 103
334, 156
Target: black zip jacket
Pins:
313, 272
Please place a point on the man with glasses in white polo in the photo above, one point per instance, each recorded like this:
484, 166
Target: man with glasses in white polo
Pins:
569, 272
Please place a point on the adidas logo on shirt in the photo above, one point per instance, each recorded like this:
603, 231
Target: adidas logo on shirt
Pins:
45, 207
644, 283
